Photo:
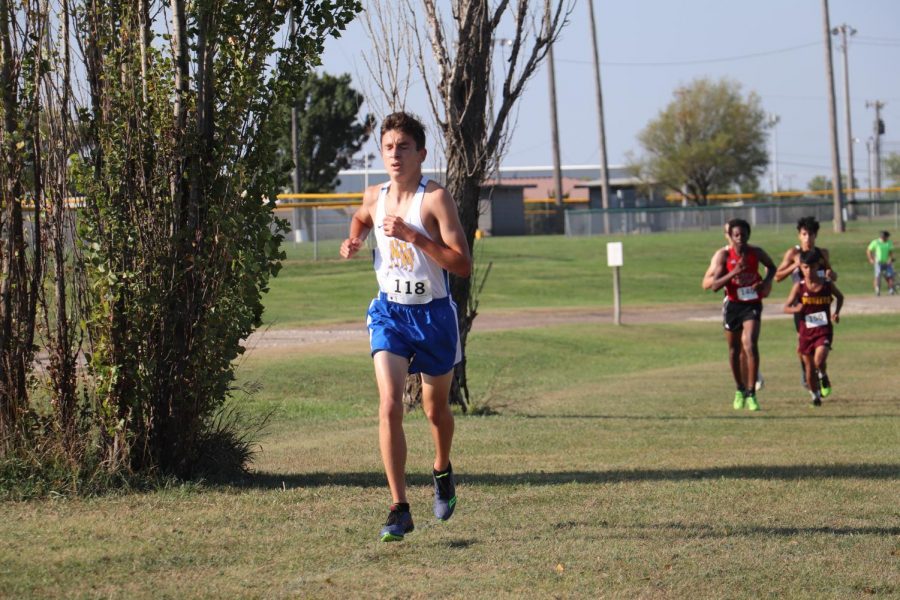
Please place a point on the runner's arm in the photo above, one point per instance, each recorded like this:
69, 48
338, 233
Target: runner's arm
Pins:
829, 272
765, 286
791, 307
450, 251
719, 275
710, 274
788, 264
839, 303
360, 224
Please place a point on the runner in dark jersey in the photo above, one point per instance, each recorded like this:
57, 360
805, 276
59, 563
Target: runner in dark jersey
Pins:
810, 299
807, 233
736, 268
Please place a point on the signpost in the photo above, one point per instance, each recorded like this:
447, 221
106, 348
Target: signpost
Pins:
614, 260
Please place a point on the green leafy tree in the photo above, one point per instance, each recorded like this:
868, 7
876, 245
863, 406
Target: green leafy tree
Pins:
174, 150
820, 183
892, 167
329, 131
709, 139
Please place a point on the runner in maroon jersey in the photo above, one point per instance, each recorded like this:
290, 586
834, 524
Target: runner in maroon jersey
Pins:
736, 268
811, 300
807, 233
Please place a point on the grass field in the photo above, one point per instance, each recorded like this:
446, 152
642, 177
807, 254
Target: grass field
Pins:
555, 271
615, 467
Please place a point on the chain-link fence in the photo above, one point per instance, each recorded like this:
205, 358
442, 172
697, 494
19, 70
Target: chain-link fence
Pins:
693, 218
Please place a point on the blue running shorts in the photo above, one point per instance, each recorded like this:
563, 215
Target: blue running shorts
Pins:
425, 334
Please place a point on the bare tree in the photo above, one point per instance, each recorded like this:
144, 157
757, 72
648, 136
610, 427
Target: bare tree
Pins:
455, 60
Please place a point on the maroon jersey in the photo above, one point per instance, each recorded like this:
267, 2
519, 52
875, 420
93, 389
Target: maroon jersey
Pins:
815, 317
740, 287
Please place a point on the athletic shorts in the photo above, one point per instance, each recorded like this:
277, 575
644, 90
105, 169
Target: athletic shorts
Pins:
735, 313
425, 334
807, 344
886, 269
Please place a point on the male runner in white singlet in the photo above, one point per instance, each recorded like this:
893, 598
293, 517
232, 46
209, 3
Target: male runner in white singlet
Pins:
412, 322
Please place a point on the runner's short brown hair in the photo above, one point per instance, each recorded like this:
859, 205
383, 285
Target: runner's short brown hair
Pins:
406, 123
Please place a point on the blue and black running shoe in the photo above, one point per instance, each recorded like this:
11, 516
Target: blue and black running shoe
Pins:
444, 493
398, 524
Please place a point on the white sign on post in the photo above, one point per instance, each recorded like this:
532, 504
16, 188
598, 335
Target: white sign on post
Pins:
614, 260
614, 254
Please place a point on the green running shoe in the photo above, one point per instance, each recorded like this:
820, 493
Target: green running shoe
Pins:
738, 400
752, 404
824, 384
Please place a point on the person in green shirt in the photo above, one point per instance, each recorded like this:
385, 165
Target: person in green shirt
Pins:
881, 255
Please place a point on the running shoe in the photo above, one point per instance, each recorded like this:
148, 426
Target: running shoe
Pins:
824, 384
444, 494
738, 400
398, 524
752, 404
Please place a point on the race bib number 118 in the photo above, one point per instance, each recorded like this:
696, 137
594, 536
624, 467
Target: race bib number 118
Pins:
409, 291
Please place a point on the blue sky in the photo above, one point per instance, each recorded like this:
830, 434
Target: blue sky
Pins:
648, 48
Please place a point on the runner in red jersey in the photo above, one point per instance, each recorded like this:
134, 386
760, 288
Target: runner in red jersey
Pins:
810, 299
736, 268
707, 284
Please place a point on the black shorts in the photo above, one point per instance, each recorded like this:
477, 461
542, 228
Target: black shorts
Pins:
735, 313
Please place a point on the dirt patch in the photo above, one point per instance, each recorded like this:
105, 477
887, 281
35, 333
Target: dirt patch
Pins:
531, 318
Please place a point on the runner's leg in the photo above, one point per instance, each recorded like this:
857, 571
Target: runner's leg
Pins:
812, 380
733, 339
390, 373
750, 343
436, 403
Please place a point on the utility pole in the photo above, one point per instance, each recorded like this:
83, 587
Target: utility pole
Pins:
294, 141
298, 217
845, 30
604, 166
838, 189
554, 127
877, 131
869, 149
772, 121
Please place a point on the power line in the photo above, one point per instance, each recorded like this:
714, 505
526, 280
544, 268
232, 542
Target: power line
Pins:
870, 38
697, 61
880, 44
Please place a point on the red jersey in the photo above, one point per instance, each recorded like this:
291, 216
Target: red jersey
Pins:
815, 317
740, 287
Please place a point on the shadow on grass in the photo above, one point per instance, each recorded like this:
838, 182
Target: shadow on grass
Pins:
702, 530
710, 531
266, 480
732, 417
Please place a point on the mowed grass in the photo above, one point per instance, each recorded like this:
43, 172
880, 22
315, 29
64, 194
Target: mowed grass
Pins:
616, 468
556, 271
